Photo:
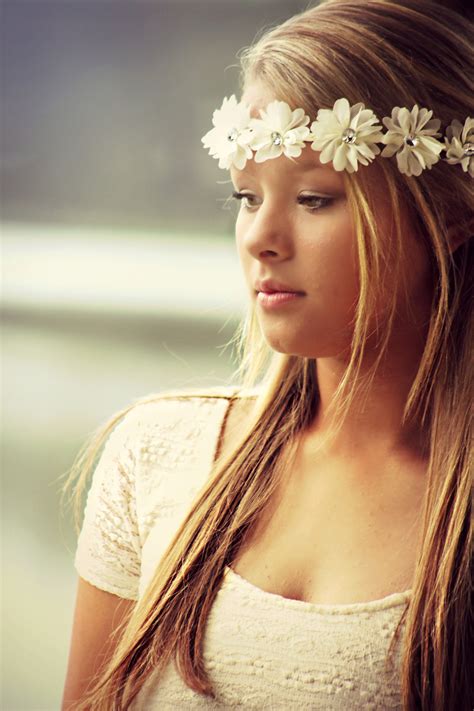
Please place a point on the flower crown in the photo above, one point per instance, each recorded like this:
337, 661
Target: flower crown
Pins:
346, 135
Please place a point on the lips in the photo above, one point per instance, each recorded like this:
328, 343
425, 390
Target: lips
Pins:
271, 286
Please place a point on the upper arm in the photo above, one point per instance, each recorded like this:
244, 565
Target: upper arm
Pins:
97, 616
107, 560
108, 552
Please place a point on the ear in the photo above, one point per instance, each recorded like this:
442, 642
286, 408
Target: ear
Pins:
457, 236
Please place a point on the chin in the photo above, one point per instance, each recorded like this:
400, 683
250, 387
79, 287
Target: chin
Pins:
280, 344
287, 345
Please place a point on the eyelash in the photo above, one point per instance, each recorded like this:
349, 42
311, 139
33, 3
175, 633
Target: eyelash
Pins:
302, 200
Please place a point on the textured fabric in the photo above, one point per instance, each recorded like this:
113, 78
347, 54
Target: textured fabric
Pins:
261, 650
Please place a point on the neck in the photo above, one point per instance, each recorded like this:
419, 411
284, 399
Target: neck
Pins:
373, 424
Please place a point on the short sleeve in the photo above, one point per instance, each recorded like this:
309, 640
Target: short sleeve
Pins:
108, 550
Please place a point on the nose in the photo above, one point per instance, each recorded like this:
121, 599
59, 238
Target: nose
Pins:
265, 234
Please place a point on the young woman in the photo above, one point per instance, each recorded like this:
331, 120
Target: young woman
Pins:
305, 540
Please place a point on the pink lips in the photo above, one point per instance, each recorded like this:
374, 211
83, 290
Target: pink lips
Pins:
277, 298
273, 294
270, 286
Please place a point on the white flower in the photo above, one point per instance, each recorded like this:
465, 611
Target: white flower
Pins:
279, 130
414, 132
346, 135
228, 140
459, 141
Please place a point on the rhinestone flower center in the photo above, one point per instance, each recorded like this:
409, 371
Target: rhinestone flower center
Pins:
468, 149
411, 140
349, 135
232, 135
276, 138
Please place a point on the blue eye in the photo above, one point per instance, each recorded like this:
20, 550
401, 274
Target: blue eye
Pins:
303, 200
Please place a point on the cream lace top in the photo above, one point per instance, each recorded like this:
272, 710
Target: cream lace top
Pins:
262, 650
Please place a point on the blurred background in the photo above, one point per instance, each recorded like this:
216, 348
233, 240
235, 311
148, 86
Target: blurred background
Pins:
119, 274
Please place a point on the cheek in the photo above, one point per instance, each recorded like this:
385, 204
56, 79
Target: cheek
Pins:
329, 263
322, 260
244, 257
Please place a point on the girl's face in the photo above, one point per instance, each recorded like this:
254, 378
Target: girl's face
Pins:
294, 226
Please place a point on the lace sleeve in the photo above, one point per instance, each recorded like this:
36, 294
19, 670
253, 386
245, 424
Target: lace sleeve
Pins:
108, 550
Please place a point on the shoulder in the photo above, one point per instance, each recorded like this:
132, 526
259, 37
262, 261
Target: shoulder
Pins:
180, 399
181, 413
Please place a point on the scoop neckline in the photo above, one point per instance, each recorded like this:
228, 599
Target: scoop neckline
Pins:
383, 603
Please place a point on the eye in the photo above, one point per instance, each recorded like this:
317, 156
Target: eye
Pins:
320, 202
242, 197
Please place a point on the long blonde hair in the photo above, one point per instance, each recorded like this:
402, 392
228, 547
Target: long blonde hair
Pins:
386, 54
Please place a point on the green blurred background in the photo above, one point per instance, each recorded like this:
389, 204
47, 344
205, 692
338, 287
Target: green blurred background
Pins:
119, 273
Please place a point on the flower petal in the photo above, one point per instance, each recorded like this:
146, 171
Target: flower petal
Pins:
342, 112
328, 152
352, 156
292, 150
404, 120
240, 159
340, 158
268, 152
431, 144
390, 150
299, 118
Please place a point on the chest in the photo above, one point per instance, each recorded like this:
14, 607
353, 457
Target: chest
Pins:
338, 536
